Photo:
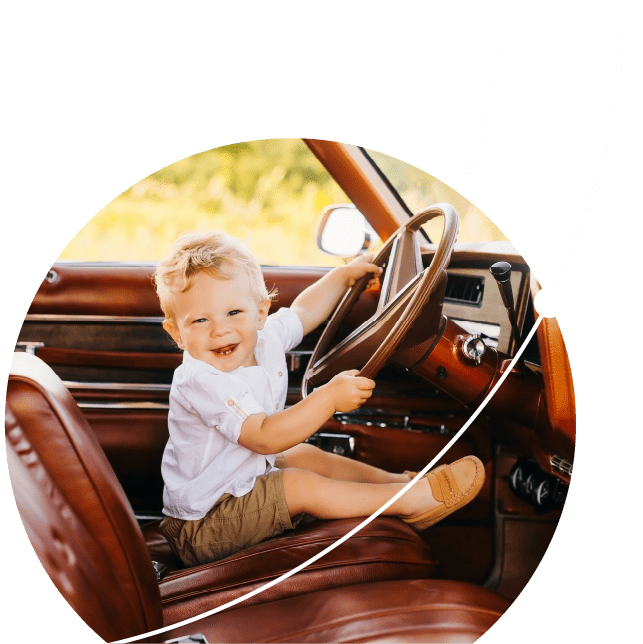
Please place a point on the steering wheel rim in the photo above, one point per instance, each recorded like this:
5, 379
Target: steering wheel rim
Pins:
406, 289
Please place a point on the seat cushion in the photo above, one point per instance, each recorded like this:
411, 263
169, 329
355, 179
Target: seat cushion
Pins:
417, 610
385, 549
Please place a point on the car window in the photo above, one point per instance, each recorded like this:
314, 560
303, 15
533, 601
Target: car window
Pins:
267, 193
418, 190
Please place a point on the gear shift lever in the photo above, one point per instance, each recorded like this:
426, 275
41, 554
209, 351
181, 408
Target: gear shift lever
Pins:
501, 272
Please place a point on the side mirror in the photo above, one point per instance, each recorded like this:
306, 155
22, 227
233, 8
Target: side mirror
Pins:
343, 231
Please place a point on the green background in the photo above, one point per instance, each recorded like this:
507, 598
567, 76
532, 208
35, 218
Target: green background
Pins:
98, 96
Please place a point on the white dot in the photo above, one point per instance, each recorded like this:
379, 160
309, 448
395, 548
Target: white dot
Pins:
549, 302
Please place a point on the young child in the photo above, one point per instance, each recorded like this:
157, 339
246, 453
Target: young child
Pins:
235, 468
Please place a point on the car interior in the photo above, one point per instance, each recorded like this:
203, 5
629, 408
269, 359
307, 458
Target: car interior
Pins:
86, 425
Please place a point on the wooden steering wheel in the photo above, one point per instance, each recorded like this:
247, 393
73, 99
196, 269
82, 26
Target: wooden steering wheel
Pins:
406, 290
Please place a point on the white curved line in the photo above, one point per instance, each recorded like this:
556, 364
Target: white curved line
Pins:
492, 86
477, 411
272, 583
606, 142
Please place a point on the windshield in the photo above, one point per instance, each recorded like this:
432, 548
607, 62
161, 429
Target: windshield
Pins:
418, 190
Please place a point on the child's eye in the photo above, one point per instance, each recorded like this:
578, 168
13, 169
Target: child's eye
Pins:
234, 312
199, 320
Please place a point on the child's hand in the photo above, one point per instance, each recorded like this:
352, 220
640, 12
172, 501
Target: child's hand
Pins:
315, 303
349, 391
357, 268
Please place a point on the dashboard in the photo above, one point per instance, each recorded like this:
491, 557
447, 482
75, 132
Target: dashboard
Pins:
473, 301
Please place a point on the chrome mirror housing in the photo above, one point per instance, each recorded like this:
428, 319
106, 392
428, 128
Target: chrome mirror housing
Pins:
344, 232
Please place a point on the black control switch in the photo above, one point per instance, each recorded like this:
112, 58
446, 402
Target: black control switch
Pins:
501, 272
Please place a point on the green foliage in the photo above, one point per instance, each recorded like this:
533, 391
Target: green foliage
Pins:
267, 193
419, 190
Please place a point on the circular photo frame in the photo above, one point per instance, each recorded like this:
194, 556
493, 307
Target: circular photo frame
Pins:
445, 324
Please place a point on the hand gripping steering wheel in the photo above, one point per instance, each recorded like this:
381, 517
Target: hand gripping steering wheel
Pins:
406, 295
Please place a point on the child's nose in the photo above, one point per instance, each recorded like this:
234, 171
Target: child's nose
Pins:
219, 327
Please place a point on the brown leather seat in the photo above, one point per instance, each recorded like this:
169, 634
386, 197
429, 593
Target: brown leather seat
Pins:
51, 427
116, 597
383, 550
409, 610
120, 602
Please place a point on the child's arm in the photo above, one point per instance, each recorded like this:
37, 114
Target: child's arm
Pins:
317, 302
284, 429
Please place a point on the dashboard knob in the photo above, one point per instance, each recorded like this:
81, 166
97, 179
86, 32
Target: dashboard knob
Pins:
474, 348
541, 490
524, 478
501, 271
542, 496
516, 477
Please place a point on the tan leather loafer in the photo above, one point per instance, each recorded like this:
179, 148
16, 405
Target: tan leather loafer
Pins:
412, 475
455, 485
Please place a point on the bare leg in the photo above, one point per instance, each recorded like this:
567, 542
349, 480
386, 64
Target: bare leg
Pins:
333, 466
326, 498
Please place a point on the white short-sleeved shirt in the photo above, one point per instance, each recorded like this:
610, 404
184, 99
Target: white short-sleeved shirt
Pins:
202, 459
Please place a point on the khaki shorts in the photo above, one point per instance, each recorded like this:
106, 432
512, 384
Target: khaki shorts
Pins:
233, 523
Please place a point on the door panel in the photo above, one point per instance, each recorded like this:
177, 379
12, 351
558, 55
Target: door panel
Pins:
133, 438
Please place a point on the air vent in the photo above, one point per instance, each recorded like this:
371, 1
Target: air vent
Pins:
464, 289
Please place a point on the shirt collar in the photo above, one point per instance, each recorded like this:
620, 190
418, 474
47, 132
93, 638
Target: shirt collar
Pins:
260, 347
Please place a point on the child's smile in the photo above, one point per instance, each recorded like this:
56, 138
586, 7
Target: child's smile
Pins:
225, 351
217, 320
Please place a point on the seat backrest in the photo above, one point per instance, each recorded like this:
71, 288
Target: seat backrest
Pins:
73, 484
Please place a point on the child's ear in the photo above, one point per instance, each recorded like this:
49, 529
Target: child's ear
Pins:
173, 330
264, 307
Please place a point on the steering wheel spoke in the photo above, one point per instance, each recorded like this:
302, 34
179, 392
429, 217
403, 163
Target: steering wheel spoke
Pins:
345, 355
404, 263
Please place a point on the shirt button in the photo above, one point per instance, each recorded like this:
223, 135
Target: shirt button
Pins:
277, 406
230, 402
280, 374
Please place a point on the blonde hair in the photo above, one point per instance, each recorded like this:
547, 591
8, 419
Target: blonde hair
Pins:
194, 252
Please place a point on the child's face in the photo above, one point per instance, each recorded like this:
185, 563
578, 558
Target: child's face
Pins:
217, 320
